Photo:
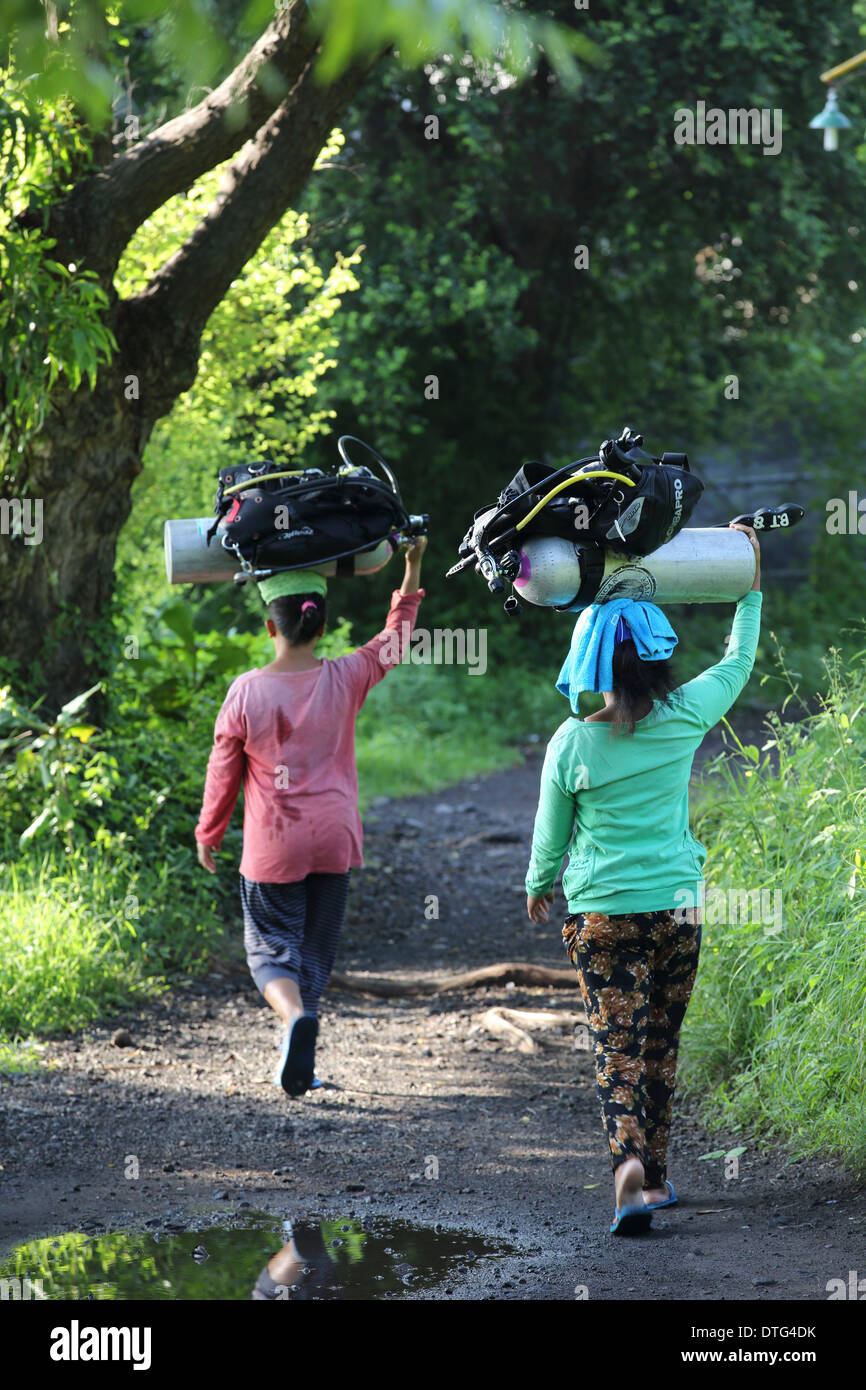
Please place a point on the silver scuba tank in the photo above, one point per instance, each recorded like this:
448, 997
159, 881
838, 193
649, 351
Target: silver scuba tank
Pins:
700, 565
190, 560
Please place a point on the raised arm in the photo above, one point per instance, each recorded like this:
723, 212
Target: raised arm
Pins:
366, 666
710, 695
412, 570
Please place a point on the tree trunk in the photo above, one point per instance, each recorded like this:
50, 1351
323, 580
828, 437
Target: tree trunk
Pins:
56, 593
83, 462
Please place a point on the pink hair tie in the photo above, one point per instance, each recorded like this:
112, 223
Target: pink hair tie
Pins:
308, 604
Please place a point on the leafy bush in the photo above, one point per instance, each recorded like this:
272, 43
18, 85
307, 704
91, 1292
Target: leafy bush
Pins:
775, 1037
97, 835
67, 953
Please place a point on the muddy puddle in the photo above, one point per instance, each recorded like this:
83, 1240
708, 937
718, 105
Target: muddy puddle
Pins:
262, 1258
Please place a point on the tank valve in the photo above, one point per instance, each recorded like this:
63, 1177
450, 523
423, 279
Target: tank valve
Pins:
509, 565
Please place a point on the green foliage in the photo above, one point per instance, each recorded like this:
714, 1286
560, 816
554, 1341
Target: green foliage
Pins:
263, 355
267, 343
172, 669
774, 1036
66, 956
78, 56
704, 261
505, 37
425, 726
21, 1056
50, 326
55, 753
43, 147
97, 843
51, 314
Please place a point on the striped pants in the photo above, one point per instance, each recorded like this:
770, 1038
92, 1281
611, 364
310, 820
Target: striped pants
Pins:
293, 929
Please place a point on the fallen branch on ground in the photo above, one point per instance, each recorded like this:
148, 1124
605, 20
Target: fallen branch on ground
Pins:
514, 1025
519, 974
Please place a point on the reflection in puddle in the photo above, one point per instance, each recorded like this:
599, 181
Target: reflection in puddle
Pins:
263, 1259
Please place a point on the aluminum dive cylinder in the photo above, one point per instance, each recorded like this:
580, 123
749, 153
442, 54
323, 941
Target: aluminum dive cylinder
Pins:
700, 565
190, 560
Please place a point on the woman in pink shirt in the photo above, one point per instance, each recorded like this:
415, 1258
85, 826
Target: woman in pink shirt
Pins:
286, 732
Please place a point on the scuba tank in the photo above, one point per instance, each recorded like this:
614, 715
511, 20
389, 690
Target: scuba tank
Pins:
269, 520
190, 560
700, 565
710, 564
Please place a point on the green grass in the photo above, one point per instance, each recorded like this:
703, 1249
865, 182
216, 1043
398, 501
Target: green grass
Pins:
21, 1056
775, 1037
63, 961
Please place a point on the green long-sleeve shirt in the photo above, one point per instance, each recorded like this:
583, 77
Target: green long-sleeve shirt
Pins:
618, 804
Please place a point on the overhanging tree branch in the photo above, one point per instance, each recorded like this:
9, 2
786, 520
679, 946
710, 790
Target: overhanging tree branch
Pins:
95, 221
256, 191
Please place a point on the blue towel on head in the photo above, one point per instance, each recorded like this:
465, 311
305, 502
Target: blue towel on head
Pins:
589, 664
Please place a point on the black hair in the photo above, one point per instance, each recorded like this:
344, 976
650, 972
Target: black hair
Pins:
635, 681
297, 626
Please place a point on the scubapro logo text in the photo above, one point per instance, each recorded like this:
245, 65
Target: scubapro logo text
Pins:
678, 508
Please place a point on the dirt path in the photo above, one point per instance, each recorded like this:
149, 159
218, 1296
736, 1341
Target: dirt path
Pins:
423, 1117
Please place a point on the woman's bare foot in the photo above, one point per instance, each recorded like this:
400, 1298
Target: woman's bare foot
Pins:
655, 1194
628, 1183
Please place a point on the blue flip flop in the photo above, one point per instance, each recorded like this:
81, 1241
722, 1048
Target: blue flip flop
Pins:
632, 1220
297, 1057
669, 1202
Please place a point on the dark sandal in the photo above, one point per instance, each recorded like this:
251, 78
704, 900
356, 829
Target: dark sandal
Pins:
298, 1068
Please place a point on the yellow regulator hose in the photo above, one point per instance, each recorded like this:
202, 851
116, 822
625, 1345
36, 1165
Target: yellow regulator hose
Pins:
566, 482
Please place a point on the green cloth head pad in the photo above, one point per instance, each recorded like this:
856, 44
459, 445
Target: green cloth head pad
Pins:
292, 582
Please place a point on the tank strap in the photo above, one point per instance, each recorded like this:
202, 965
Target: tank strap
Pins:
592, 572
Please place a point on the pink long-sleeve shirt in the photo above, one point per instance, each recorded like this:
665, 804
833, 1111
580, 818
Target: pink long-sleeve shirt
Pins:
289, 738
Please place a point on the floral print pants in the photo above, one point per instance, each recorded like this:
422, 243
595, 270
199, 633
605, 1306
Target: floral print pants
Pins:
636, 973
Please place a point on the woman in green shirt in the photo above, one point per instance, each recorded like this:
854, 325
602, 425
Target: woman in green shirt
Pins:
614, 797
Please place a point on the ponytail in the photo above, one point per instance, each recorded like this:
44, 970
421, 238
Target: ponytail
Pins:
635, 681
298, 617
